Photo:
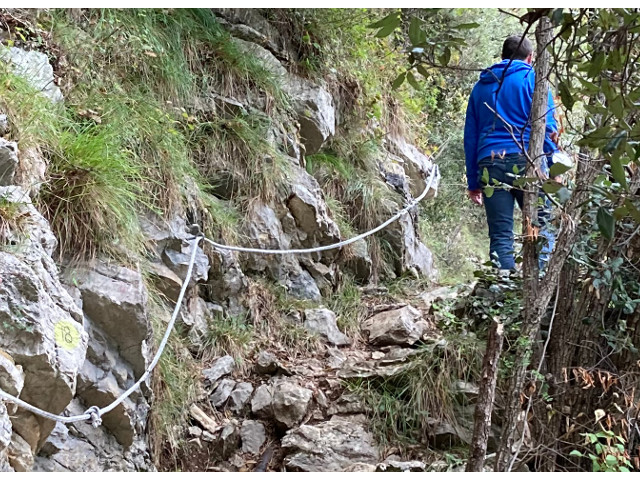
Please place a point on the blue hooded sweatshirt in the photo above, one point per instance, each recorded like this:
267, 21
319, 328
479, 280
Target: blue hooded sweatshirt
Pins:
485, 135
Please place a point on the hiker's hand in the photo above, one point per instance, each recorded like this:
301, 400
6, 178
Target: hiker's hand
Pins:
555, 137
558, 179
475, 196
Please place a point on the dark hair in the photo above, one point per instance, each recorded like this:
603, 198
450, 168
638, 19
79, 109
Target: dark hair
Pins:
517, 48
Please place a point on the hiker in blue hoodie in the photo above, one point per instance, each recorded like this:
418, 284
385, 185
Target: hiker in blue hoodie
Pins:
507, 87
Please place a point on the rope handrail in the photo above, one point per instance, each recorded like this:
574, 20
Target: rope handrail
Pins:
94, 413
340, 244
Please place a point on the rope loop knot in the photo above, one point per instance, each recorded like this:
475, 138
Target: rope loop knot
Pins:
95, 417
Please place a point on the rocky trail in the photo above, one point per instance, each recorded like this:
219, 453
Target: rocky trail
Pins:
294, 413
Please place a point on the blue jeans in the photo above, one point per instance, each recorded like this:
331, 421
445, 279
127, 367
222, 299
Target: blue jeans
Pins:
499, 209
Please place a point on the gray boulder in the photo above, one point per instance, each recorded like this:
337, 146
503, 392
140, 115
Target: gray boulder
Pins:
262, 401
323, 321
221, 367
228, 441
253, 436
35, 68
222, 392
283, 400
395, 327
266, 363
176, 256
301, 284
329, 446
290, 402
240, 396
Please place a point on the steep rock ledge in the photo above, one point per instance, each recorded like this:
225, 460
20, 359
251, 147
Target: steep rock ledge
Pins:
84, 337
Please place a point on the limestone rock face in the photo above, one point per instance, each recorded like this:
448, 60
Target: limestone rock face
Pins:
5, 437
265, 230
329, 446
359, 261
80, 447
227, 283
416, 255
31, 172
41, 325
104, 376
309, 210
316, 112
8, 161
412, 254
268, 60
313, 104
176, 256
115, 299
34, 67
11, 375
302, 222
416, 165
114, 302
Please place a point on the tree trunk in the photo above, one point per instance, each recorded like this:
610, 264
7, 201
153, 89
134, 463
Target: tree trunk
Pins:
486, 396
534, 308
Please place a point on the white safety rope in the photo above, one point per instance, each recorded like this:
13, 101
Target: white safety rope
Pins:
94, 413
343, 243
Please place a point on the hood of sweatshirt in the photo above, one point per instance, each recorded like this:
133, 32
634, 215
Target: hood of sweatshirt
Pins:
495, 73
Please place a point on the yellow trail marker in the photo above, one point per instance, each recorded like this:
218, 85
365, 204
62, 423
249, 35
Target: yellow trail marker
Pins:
66, 335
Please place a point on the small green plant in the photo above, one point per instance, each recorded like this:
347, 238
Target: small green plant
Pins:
11, 215
610, 452
228, 335
347, 304
297, 339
